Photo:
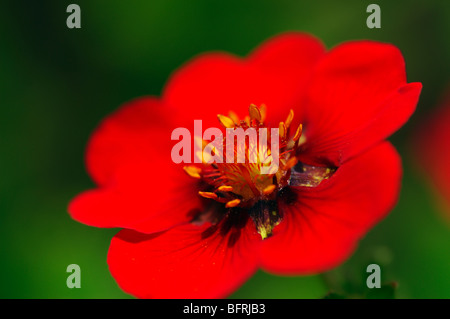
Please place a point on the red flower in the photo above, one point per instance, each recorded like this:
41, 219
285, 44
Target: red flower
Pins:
335, 182
432, 146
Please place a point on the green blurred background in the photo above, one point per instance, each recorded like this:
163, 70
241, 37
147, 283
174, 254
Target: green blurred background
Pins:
57, 83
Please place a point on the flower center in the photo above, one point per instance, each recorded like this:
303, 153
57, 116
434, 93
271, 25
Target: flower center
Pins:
246, 179
251, 180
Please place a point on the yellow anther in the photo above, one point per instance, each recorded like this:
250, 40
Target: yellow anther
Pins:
233, 203
289, 118
225, 121
208, 195
193, 171
290, 163
234, 117
282, 130
254, 112
269, 189
263, 111
225, 188
302, 140
298, 133
247, 120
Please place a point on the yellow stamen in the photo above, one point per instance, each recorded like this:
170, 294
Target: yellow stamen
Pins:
254, 113
263, 111
282, 130
233, 203
193, 171
208, 195
225, 188
225, 121
298, 133
302, 140
290, 163
269, 189
289, 118
234, 117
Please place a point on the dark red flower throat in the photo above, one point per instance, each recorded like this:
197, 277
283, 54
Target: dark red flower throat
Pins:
242, 188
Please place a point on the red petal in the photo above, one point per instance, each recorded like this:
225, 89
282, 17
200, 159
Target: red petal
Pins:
183, 262
140, 199
140, 186
357, 98
322, 228
137, 130
274, 75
